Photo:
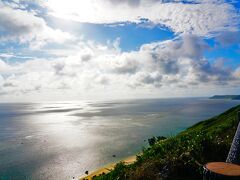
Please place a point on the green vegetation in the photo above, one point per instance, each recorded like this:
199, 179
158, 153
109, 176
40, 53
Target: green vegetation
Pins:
232, 97
182, 156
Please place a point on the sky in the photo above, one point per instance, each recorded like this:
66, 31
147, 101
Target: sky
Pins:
68, 50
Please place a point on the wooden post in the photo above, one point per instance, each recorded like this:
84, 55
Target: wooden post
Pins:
234, 153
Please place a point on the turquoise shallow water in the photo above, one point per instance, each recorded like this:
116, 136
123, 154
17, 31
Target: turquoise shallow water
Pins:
61, 140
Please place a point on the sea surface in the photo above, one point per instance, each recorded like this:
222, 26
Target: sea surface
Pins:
61, 140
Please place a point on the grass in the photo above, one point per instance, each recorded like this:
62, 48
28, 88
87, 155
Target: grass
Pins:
182, 156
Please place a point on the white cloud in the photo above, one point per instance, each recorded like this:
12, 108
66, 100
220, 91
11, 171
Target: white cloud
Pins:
4, 67
237, 73
228, 38
173, 64
11, 55
202, 18
82, 69
26, 27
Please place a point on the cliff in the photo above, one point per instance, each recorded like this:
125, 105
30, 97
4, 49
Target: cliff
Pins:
182, 156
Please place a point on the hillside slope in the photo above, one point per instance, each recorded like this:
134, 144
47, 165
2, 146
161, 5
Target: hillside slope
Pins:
232, 97
182, 156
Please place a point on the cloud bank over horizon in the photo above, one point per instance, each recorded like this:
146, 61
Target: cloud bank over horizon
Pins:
42, 60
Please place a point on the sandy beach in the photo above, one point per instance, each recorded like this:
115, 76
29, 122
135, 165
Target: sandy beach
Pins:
107, 168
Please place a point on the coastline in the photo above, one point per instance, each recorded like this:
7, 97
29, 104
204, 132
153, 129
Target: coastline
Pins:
106, 169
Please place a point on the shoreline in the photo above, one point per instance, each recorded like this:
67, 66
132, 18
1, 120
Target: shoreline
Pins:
106, 169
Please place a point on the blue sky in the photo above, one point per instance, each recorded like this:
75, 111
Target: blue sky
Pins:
67, 50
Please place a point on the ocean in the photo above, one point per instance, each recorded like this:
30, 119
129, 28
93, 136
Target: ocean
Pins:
62, 140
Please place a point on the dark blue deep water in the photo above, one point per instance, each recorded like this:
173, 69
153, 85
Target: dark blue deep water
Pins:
61, 140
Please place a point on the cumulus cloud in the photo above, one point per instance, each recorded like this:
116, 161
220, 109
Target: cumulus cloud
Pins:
85, 67
23, 26
171, 64
237, 73
202, 18
129, 2
228, 38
